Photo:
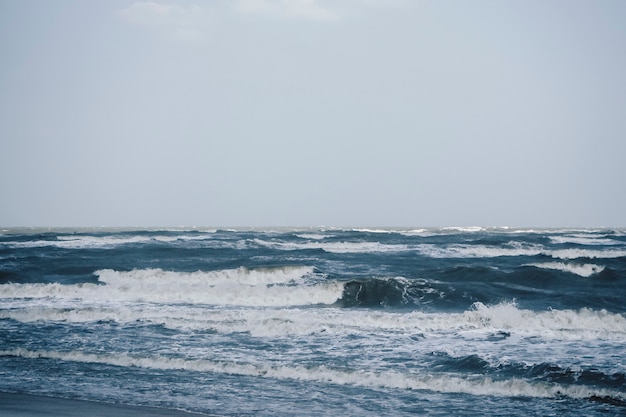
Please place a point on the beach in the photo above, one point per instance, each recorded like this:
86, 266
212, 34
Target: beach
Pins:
23, 405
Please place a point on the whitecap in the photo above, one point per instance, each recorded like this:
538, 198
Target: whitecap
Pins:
335, 247
283, 286
477, 385
464, 229
584, 239
584, 270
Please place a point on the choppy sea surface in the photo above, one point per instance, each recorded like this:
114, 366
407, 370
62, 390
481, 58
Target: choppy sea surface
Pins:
316, 322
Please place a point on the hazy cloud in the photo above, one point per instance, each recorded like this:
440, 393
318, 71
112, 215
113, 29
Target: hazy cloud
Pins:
185, 23
301, 9
192, 22
189, 22
405, 112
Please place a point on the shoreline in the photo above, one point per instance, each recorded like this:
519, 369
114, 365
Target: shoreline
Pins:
32, 405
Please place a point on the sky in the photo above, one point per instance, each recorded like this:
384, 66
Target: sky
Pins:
388, 113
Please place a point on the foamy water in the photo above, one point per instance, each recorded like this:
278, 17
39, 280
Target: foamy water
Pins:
228, 322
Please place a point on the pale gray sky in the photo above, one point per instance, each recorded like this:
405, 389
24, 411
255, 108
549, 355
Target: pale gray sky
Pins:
313, 112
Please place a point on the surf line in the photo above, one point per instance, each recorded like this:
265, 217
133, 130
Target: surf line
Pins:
474, 385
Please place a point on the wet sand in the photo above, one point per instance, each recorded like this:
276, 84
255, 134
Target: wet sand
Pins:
24, 405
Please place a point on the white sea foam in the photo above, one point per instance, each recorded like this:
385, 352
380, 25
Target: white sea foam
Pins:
514, 249
584, 324
584, 239
584, 270
587, 253
563, 324
467, 229
108, 241
312, 236
80, 242
473, 385
286, 286
336, 247
180, 238
278, 316
404, 232
480, 251
241, 276
365, 230
415, 232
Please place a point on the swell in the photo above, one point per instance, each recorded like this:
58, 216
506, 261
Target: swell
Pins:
541, 372
450, 289
396, 292
538, 286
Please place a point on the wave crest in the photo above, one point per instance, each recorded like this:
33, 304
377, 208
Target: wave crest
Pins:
583, 270
387, 292
283, 286
474, 385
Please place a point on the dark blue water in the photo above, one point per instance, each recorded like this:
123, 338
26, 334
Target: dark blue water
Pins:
319, 321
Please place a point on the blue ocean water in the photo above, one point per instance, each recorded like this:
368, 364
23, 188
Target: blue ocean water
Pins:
315, 322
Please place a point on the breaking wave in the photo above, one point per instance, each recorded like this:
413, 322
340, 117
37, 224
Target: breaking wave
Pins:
284, 286
388, 292
473, 385
515, 249
584, 270
335, 247
480, 319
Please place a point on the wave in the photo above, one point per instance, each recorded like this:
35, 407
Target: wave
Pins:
312, 236
387, 292
563, 324
404, 232
587, 253
510, 249
82, 242
336, 247
241, 276
429, 250
477, 385
311, 240
515, 249
480, 251
283, 286
551, 372
106, 241
365, 230
467, 229
285, 320
544, 371
584, 270
584, 239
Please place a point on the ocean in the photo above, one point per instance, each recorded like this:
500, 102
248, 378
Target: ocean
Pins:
317, 321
